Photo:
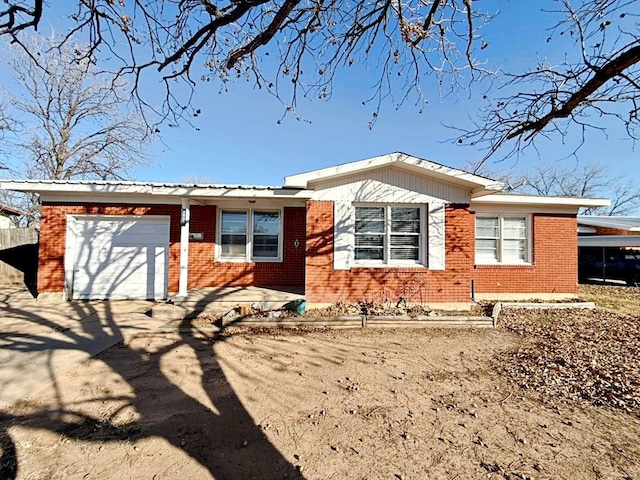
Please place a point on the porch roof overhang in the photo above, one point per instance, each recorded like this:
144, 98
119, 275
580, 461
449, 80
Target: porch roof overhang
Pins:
477, 184
152, 189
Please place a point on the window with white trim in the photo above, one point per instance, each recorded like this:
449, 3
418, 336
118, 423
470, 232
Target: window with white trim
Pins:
502, 239
250, 235
389, 234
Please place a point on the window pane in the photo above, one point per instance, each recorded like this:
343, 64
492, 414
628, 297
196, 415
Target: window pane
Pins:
234, 222
265, 246
369, 254
369, 219
405, 253
405, 240
233, 245
369, 241
266, 222
486, 250
487, 227
405, 220
514, 228
513, 250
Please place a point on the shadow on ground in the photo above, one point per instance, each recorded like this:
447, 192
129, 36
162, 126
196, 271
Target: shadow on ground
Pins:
214, 433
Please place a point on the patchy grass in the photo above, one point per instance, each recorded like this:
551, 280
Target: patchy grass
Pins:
620, 299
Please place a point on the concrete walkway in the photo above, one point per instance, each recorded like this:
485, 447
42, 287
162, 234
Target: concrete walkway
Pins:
42, 341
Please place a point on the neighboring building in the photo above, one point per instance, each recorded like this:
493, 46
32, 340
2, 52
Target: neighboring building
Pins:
608, 225
7, 213
389, 227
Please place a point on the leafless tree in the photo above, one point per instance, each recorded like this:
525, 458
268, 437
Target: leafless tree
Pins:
74, 120
290, 47
583, 180
7, 124
599, 79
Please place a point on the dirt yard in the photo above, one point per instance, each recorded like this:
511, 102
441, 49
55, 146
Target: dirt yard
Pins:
347, 404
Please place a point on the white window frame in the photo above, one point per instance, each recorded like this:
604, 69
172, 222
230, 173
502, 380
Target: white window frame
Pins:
248, 257
500, 252
386, 261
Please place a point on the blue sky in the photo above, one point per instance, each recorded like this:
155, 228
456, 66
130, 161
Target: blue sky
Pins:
240, 141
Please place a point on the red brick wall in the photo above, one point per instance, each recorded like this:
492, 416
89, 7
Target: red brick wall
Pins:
203, 271
555, 261
324, 284
53, 228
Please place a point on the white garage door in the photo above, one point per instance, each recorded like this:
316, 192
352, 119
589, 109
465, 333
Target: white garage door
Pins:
117, 257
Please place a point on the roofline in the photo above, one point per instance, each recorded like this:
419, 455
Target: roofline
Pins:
605, 221
453, 175
150, 188
507, 199
8, 209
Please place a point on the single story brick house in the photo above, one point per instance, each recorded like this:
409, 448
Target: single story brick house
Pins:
389, 227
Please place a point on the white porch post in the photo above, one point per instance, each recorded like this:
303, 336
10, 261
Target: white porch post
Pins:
185, 216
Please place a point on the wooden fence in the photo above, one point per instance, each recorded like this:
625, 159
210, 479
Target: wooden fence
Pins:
18, 256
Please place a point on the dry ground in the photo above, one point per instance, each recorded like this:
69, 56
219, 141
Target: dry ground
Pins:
345, 404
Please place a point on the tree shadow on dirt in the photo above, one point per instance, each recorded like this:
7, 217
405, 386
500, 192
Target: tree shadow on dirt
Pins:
218, 433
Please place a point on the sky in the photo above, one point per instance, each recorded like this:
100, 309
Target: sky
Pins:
239, 140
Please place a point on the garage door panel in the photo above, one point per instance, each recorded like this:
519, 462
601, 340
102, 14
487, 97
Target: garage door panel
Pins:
104, 277
120, 257
134, 256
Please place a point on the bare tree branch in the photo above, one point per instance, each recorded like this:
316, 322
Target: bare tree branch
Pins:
406, 41
614, 68
597, 81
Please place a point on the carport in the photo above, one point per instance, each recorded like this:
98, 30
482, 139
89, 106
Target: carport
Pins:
595, 254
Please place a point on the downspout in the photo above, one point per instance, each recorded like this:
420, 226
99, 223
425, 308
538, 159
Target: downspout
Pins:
185, 217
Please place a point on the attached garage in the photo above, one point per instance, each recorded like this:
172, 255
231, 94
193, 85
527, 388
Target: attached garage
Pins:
116, 257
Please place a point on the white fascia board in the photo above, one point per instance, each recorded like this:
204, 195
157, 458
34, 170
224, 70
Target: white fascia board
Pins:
500, 199
402, 160
204, 192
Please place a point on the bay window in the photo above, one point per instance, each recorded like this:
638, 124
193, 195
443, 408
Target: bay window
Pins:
502, 239
388, 234
250, 235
